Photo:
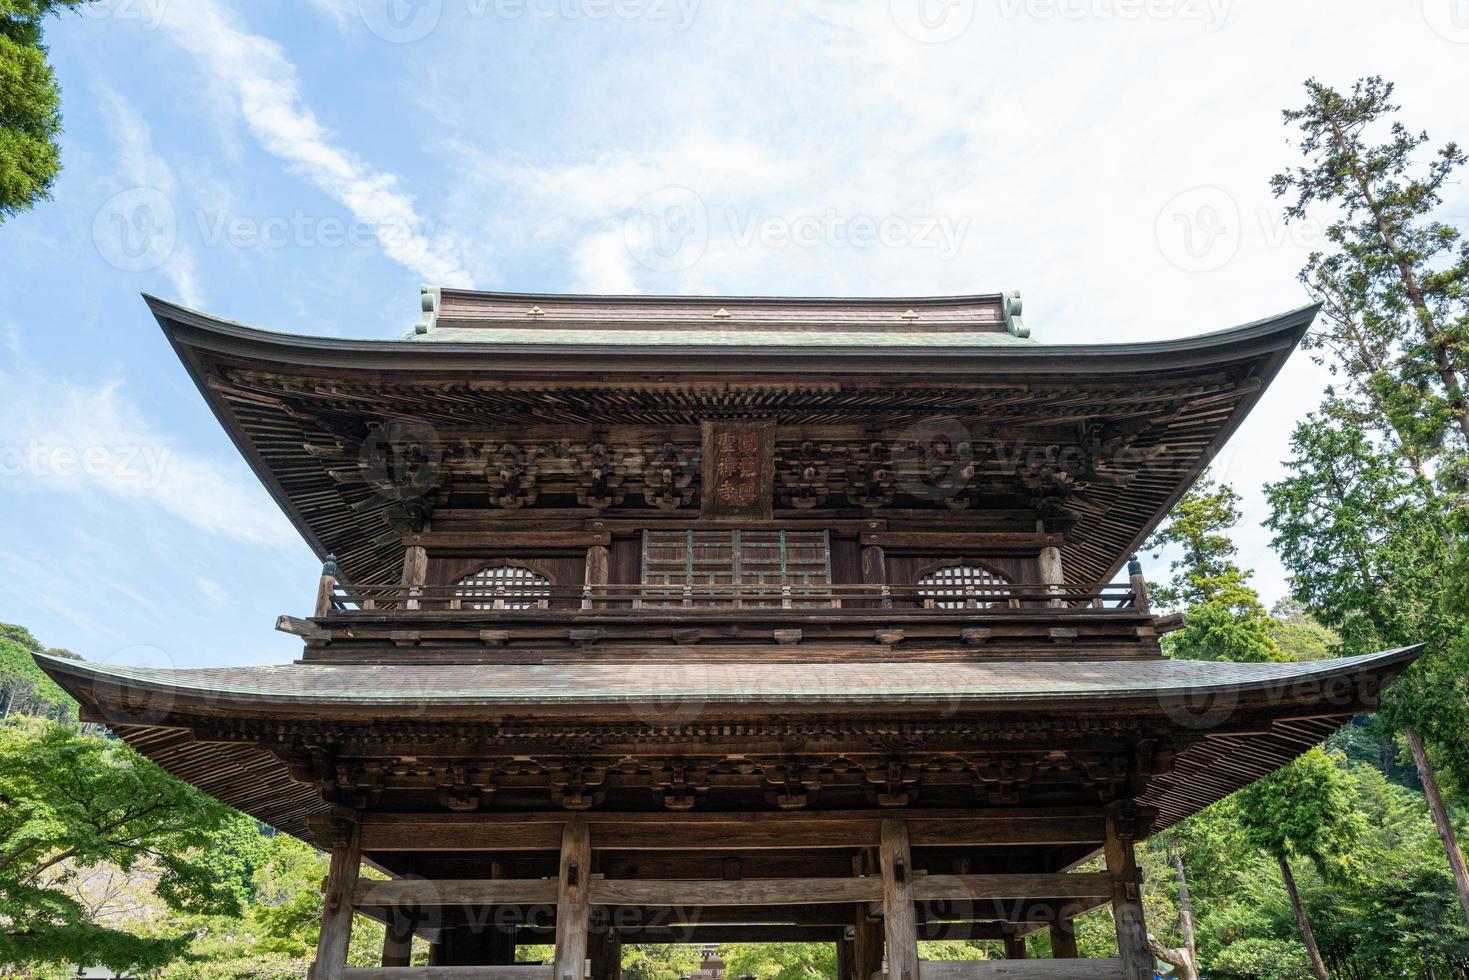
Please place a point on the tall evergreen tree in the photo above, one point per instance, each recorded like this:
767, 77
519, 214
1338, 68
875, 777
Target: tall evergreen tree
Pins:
30, 106
1371, 521
1303, 811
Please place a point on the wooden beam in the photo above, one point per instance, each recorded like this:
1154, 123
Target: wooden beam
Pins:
573, 911
506, 540
523, 971
1100, 969
937, 888
679, 893
899, 918
725, 831
421, 893
336, 916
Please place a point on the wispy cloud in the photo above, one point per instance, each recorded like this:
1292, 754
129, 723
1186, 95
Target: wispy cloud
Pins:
265, 88
142, 168
67, 438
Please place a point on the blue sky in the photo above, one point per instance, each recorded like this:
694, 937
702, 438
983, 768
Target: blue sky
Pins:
303, 166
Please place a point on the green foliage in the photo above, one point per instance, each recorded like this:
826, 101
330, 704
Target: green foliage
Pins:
780, 961
1396, 320
24, 687
1301, 810
1299, 635
73, 802
30, 106
1225, 618
661, 962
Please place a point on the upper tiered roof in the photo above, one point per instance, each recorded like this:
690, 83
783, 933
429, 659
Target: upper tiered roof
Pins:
483, 367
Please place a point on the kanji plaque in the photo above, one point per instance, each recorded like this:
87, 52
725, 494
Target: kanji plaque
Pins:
739, 469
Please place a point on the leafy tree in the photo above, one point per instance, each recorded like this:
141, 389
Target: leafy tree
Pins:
30, 106
780, 961
24, 687
73, 802
1302, 810
1372, 521
1225, 618
668, 961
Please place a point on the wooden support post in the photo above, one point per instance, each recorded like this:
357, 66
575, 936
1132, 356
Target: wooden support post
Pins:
866, 931
573, 908
1138, 583
340, 884
415, 572
326, 586
398, 941
1051, 572
436, 954
595, 577
899, 920
1014, 946
846, 965
606, 954
1127, 900
1063, 937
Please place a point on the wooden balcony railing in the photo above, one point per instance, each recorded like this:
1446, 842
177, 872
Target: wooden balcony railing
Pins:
512, 599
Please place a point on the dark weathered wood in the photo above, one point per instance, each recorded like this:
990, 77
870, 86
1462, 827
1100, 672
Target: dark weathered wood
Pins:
899, 918
1014, 947
1063, 939
491, 542
1127, 903
516, 972
340, 885
573, 910
774, 891
1100, 969
419, 893
397, 942
933, 888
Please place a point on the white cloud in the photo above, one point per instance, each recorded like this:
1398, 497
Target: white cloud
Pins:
61, 437
141, 167
263, 83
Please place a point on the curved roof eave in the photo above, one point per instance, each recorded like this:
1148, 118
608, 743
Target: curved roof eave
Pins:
194, 330
484, 691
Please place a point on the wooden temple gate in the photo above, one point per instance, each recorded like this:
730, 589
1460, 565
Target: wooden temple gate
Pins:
876, 548
872, 914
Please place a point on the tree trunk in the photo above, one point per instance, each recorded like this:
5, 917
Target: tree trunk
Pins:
1317, 966
1440, 815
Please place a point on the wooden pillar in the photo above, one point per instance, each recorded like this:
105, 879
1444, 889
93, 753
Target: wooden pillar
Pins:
1063, 937
326, 586
1014, 946
875, 571
598, 558
899, 920
606, 954
398, 941
846, 965
436, 953
1051, 571
1138, 583
338, 890
866, 931
415, 572
573, 910
1127, 899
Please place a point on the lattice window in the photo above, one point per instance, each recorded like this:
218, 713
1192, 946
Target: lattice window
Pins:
746, 568
963, 586
502, 587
